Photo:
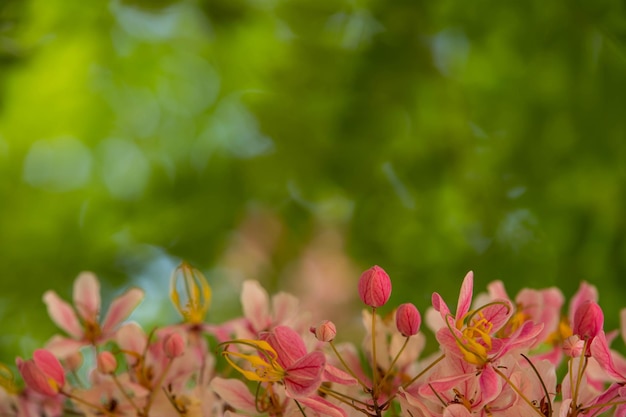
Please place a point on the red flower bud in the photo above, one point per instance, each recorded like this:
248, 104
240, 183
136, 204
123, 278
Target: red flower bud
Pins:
408, 319
374, 287
325, 331
107, 364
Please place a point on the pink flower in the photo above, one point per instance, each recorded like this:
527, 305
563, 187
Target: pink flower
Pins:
408, 319
374, 287
43, 373
82, 323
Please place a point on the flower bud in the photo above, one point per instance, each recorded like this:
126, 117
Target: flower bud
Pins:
374, 287
325, 331
173, 345
107, 364
408, 319
588, 320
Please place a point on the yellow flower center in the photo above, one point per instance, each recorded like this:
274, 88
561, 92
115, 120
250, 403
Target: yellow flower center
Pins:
264, 369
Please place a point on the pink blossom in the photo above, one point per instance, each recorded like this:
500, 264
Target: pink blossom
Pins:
82, 323
374, 287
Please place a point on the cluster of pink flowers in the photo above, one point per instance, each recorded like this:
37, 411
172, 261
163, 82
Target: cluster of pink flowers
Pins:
497, 356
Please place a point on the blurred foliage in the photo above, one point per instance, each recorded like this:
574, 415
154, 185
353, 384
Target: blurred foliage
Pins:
433, 137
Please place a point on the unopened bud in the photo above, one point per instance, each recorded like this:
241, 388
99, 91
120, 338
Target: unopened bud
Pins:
325, 331
107, 364
588, 320
173, 345
408, 319
374, 287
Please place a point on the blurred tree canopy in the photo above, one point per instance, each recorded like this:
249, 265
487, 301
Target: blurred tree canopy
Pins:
428, 137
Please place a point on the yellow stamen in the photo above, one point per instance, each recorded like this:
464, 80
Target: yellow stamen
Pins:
197, 291
265, 369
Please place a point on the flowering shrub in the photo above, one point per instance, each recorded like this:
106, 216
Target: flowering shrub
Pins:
497, 357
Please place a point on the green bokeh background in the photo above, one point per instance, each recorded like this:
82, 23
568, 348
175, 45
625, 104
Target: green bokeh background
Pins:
431, 137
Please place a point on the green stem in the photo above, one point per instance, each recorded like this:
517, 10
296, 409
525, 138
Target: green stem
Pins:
345, 365
374, 362
382, 381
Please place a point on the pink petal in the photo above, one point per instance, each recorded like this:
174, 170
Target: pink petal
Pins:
285, 307
497, 314
87, 296
287, 343
62, 314
34, 377
601, 353
235, 393
121, 308
63, 347
131, 338
465, 296
49, 365
333, 374
490, 385
588, 320
322, 406
586, 292
456, 410
305, 375
255, 303
496, 290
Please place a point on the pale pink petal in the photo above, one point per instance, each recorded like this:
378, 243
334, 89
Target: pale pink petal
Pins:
63, 347
496, 290
285, 307
63, 315
456, 410
121, 308
323, 407
131, 338
235, 393
338, 376
465, 296
490, 385
255, 303
600, 352
305, 375
87, 296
